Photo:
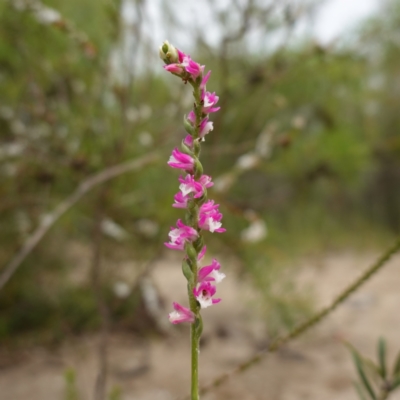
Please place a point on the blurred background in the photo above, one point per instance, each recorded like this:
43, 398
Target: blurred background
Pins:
305, 156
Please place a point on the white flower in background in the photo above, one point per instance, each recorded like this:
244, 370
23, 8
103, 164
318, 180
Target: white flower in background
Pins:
247, 161
147, 227
11, 150
145, 139
298, 122
47, 15
145, 111
224, 182
113, 230
263, 145
132, 114
121, 289
256, 232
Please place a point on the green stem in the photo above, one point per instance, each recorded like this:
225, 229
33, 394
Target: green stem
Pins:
195, 362
196, 327
194, 339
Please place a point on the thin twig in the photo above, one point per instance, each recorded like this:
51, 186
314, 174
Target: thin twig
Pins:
300, 329
50, 219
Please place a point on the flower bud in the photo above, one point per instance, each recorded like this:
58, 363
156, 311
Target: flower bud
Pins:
189, 128
185, 149
168, 53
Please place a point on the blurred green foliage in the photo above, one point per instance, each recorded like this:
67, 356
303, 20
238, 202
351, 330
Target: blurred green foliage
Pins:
330, 179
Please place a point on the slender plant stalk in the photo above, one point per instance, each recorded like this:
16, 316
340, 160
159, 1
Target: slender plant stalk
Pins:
202, 214
195, 343
192, 216
303, 327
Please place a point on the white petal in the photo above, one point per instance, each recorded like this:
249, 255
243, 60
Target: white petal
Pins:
172, 159
213, 224
174, 316
204, 301
218, 276
185, 189
174, 234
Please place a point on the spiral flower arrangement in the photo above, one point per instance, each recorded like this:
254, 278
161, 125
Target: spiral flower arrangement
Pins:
201, 214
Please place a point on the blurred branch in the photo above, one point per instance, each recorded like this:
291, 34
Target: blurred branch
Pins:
50, 16
300, 329
50, 219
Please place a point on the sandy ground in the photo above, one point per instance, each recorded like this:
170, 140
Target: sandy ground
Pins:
315, 366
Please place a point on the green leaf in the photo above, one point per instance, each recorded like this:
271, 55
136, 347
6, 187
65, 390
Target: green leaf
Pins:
359, 390
189, 128
396, 368
382, 357
363, 376
185, 148
191, 253
366, 361
187, 271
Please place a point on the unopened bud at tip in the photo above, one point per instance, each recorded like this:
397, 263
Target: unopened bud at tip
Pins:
168, 53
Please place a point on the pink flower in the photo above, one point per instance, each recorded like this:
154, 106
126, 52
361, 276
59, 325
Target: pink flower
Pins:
178, 236
174, 68
205, 127
181, 55
192, 117
209, 101
205, 181
190, 185
202, 253
181, 160
180, 314
204, 80
188, 141
210, 217
193, 68
204, 293
211, 273
180, 200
